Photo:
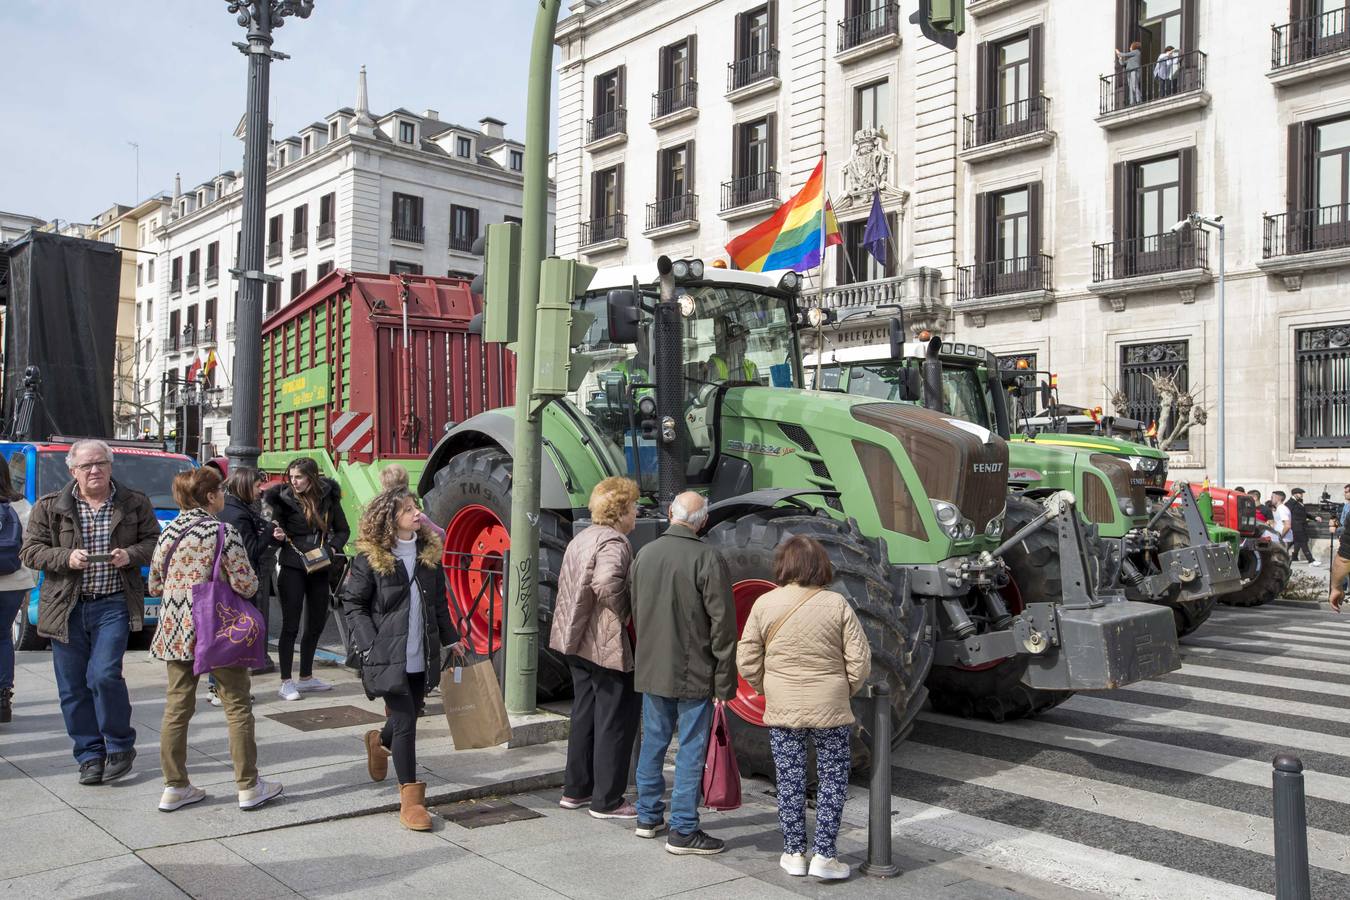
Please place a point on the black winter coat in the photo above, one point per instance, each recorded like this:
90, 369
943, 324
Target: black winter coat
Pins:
254, 530
1298, 519
375, 596
290, 515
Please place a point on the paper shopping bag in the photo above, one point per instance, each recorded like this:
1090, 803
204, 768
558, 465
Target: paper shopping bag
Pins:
721, 776
474, 707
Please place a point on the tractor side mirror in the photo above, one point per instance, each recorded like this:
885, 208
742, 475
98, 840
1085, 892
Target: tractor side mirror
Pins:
616, 390
624, 311
1047, 395
897, 334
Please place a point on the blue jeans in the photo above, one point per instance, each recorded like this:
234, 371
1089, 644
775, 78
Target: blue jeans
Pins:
661, 717
94, 699
10, 603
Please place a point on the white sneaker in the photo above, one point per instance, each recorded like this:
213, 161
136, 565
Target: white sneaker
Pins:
259, 794
212, 697
176, 798
288, 691
1314, 563
312, 685
829, 869
793, 863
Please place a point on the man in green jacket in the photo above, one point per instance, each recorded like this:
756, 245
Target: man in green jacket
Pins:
685, 658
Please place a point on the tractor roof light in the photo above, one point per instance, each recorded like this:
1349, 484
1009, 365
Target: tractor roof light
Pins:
816, 317
1023, 364
790, 282
685, 269
647, 407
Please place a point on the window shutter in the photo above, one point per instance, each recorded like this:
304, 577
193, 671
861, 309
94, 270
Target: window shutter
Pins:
693, 57
742, 39
1187, 166
1122, 214
772, 120
737, 152
981, 230
689, 167
982, 99
622, 87
1035, 210
1295, 180
1035, 38
1125, 28
595, 195
618, 189
773, 24
1189, 26
663, 69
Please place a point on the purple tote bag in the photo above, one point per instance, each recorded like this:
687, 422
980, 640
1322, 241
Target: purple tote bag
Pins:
230, 631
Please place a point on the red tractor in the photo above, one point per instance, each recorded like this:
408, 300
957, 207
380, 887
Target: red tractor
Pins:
1263, 561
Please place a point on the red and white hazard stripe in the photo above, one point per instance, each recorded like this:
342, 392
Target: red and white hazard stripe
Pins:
354, 432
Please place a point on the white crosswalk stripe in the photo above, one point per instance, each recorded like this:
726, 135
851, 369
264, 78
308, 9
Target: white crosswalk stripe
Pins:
1161, 789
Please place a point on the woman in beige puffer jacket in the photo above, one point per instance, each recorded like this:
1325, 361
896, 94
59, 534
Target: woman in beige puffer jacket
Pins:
805, 651
591, 620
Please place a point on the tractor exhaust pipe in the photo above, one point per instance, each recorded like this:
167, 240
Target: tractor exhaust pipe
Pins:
668, 361
932, 375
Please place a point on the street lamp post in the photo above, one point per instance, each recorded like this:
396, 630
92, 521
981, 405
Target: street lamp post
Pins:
1195, 220
259, 17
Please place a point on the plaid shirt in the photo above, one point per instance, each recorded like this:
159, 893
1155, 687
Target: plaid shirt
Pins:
96, 530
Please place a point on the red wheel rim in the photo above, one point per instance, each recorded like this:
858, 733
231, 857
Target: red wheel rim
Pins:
1012, 598
747, 704
475, 542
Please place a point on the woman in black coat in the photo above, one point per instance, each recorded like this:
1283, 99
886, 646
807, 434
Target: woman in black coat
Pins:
394, 598
308, 515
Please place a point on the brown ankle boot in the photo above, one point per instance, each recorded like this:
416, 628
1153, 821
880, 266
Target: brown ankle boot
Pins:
377, 758
412, 813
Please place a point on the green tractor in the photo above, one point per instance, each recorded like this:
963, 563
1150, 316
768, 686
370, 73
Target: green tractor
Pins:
1152, 543
984, 603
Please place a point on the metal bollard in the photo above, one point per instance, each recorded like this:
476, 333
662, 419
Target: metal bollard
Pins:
879, 862
1291, 830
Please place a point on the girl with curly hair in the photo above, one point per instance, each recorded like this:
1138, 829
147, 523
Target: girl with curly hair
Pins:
394, 599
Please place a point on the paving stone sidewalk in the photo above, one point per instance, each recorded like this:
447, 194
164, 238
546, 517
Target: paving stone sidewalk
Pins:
333, 835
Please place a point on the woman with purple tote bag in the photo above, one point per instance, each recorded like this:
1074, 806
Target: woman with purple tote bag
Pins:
201, 562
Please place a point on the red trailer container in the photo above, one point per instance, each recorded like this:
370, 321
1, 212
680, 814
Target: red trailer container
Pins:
391, 349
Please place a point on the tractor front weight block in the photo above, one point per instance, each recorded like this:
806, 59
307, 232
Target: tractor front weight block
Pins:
1200, 572
1107, 647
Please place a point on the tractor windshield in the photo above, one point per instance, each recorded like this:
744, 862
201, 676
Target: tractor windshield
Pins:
964, 392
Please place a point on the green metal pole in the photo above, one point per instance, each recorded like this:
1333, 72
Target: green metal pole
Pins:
522, 608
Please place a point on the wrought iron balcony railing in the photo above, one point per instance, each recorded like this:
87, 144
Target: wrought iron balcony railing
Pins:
274, 250
194, 278
325, 231
749, 189
1309, 38
1016, 119
602, 229
615, 121
462, 243
1004, 276
674, 98
868, 26
212, 274
1158, 80
299, 240
672, 210
1155, 254
406, 231
176, 285
750, 69
1306, 231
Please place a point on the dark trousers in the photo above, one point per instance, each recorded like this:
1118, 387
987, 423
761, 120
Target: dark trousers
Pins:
399, 734
605, 715
1300, 542
298, 591
94, 699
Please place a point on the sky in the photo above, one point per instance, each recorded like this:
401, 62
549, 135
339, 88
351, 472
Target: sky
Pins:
85, 77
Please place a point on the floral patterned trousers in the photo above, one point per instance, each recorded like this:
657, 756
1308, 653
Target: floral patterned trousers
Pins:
832, 767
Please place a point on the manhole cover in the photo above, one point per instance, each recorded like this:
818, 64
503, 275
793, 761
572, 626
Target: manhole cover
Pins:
483, 813
327, 717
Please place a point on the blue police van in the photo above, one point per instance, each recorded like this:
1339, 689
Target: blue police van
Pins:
38, 468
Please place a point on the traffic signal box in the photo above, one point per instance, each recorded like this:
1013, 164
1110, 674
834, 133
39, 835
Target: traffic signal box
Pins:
941, 20
499, 285
560, 327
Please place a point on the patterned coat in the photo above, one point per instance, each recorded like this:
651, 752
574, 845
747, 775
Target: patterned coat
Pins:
192, 563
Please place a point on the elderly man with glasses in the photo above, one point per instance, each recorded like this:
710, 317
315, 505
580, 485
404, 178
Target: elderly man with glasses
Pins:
90, 540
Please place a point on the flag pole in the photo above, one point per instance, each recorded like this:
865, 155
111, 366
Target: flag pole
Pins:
824, 216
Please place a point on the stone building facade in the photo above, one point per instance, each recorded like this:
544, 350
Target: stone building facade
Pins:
1031, 178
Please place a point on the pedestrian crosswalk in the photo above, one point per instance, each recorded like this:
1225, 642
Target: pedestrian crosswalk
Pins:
1162, 788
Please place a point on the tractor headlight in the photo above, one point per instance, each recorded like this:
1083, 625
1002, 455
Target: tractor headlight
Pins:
790, 281
994, 529
687, 307
646, 407
1148, 464
680, 269
696, 268
1126, 506
967, 530
816, 317
953, 524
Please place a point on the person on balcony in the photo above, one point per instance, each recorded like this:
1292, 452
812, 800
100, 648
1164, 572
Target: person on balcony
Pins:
1133, 61
1165, 71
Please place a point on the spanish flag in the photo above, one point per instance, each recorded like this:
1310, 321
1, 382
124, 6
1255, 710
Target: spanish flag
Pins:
210, 366
790, 238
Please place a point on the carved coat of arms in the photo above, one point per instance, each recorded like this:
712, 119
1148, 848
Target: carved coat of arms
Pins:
870, 168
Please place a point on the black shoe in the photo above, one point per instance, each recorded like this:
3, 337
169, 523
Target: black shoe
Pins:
6, 705
266, 669
119, 764
696, 843
91, 771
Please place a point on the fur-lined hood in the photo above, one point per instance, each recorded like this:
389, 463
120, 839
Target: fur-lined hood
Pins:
382, 558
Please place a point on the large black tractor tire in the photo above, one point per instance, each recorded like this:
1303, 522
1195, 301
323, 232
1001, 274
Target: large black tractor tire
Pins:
897, 628
1187, 615
1264, 574
482, 477
997, 692
25, 633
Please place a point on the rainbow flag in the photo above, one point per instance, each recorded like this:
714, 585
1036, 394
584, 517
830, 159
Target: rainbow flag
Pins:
790, 238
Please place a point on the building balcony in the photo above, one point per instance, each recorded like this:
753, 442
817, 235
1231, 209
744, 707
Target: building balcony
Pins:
212, 274
1308, 240
863, 294
299, 240
604, 233
607, 129
207, 335
325, 232
1128, 97
273, 250
462, 243
868, 32
1175, 260
176, 285
752, 75
407, 232
1002, 130
1310, 48
1024, 282
749, 195
676, 103
194, 279
673, 215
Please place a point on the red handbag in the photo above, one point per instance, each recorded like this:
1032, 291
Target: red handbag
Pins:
721, 777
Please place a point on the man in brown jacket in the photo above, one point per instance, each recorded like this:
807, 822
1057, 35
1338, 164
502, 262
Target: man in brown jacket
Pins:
90, 540
686, 658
